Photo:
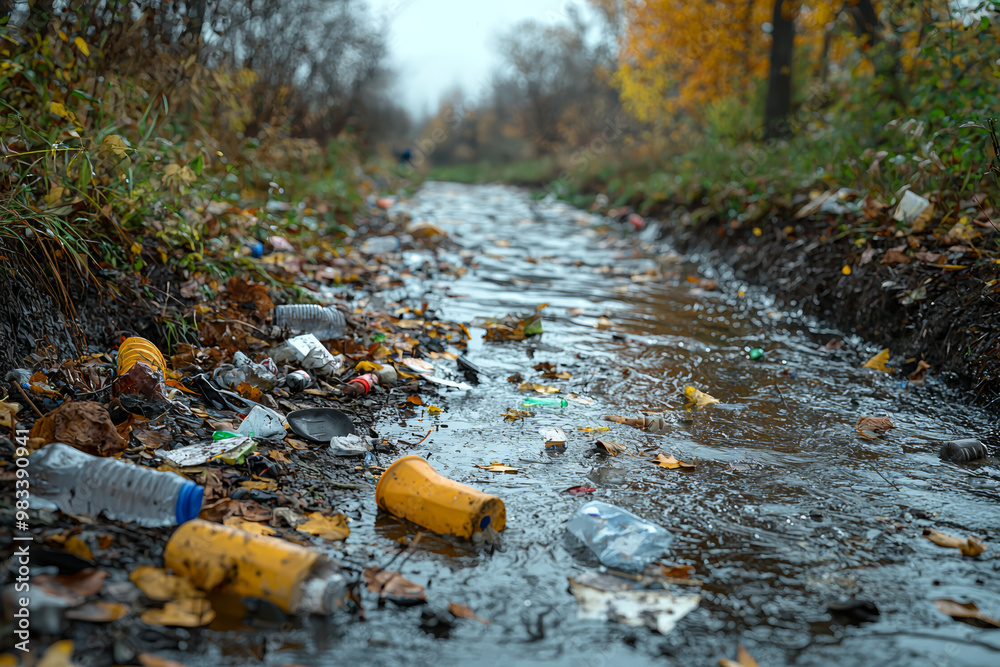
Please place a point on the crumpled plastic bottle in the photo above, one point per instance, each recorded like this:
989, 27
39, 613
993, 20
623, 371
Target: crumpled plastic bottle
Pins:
618, 538
243, 369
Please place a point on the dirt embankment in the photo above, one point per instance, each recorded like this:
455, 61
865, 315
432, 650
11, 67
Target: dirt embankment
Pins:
919, 309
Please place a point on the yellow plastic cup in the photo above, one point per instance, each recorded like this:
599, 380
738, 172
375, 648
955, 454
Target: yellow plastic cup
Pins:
410, 488
217, 557
139, 349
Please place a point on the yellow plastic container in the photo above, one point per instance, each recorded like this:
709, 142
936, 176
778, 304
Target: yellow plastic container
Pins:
412, 489
217, 557
139, 349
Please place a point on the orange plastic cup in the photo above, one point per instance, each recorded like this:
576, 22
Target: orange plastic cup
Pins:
213, 556
139, 349
410, 488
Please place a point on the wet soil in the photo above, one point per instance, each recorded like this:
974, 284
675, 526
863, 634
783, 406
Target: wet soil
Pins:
788, 511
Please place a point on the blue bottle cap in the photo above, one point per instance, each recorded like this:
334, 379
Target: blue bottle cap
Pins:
189, 502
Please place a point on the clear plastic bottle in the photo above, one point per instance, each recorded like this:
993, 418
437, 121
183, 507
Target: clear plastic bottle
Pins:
79, 483
323, 322
618, 538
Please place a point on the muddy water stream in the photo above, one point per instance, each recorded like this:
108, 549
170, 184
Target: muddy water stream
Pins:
789, 509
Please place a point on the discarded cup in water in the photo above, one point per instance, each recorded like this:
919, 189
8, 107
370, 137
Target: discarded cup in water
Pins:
410, 488
617, 537
545, 402
292, 577
79, 483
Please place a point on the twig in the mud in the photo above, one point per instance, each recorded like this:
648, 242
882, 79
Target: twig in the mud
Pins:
408, 550
33, 406
414, 444
882, 476
782, 397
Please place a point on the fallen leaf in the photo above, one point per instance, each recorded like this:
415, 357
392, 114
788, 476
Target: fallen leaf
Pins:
876, 425
389, 583
153, 660
966, 612
415, 400
248, 526
187, 613
158, 584
433, 410
677, 571
367, 367
514, 415
670, 462
699, 398
704, 283
576, 398
579, 490
248, 391
917, 376
97, 612
552, 375
328, 527
895, 256
604, 323
879, 361
593, 428
970, 547
612, 447
57, 655
462, 611
78, 547
260, 485
743, 659
540, 388
497, 467
83, 584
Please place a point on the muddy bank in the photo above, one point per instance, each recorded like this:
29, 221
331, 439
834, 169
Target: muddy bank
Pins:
919, 310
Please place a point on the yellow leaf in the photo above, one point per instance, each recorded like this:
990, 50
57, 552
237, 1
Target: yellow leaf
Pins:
82, 45
670, 462
78, 547
415, 400
327, 527
540, 388
846, 270
699, 398
59, 109
160, 585
497, 467
879, 361
514, 415
970, 547
97, 612
187, 613
63, 37
433, 410
743, 659
593, 428
249, 526
57, 655
136, 248
116, 144
367, 367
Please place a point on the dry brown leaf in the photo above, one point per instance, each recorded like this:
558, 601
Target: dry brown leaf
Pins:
328, 527
540, 388
743, 659
612, 447
82, 584
967, 612
917, 376
415, 400
97, 612
187, 613
389, 583
970, 547
60, 654
514, 415
462, 611
875, 425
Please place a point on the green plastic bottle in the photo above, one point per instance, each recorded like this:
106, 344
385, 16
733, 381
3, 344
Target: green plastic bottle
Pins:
756, 353
224, 435
546, 402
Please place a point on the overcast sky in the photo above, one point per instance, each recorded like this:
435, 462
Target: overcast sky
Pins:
438, 44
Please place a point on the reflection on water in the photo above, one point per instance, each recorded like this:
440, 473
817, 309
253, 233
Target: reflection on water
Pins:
789, 510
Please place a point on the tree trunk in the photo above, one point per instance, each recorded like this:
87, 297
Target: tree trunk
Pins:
866, 20
779, 87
